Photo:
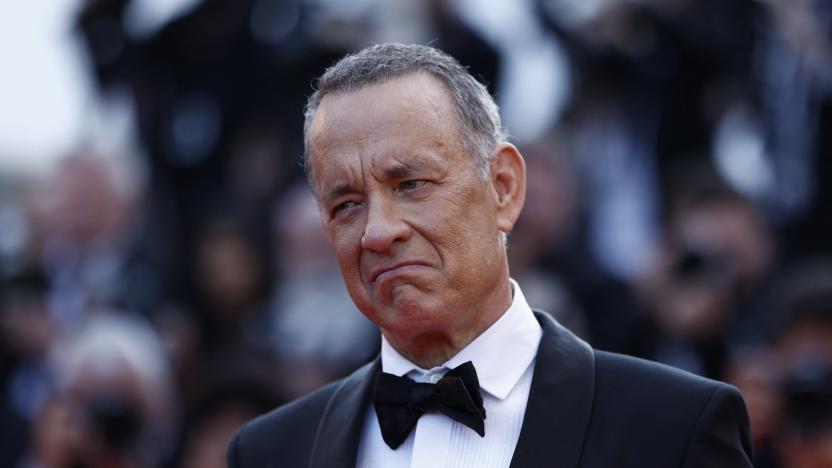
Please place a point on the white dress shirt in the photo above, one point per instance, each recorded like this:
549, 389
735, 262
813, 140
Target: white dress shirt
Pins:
503, 356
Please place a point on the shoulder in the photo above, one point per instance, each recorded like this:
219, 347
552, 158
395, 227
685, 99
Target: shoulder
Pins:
629, 374
633, 384
689, 415
285, 433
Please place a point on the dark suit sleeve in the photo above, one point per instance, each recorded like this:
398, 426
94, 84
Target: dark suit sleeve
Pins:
721, 436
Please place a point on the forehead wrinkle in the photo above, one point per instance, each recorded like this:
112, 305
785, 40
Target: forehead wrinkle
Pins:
339, 177
404, 155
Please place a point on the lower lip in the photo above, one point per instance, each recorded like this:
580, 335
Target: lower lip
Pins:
398, 271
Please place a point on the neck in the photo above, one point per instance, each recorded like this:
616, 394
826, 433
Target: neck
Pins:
432, 349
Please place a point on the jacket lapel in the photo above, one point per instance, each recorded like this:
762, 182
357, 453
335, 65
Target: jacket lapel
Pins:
557, 413
560, 400
336, 443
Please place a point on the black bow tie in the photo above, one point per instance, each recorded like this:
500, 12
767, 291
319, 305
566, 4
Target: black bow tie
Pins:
400, 402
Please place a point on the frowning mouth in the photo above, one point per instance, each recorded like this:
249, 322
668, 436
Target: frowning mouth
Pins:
386, 271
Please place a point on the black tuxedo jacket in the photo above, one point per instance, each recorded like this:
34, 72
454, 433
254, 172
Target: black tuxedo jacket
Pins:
586, 409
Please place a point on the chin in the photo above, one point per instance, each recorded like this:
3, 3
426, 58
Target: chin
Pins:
403, 308
413, 314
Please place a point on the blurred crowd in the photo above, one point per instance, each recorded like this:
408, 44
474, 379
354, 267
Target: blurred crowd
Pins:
154, 297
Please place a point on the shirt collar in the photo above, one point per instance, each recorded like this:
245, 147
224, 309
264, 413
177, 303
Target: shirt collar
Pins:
501, 354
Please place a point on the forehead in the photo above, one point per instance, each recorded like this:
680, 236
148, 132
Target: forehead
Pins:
382, 123
418, 96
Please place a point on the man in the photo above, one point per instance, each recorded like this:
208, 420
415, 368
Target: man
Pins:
417, 189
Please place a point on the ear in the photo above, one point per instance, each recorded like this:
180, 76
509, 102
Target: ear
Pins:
508, 177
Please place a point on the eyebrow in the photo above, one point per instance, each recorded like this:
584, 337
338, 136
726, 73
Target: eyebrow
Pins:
340, 189
401, 170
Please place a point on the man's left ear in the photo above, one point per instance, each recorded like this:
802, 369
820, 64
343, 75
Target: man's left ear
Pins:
508, 176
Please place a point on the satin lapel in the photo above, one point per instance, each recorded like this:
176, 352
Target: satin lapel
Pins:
336, 443
560, 400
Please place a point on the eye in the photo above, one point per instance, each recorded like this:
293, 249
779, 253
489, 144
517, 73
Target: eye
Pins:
409, 185
343, 207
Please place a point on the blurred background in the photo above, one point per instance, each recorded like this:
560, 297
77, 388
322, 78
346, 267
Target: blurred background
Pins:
164, 277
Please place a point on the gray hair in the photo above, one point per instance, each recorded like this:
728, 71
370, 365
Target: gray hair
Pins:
481, 130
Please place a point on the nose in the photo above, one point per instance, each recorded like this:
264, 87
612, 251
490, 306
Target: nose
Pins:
384, 227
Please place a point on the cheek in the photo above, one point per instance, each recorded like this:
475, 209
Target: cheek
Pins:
347, 245
465, 219
464, 231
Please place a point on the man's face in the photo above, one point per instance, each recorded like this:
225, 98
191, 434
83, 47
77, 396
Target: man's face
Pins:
414, 227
